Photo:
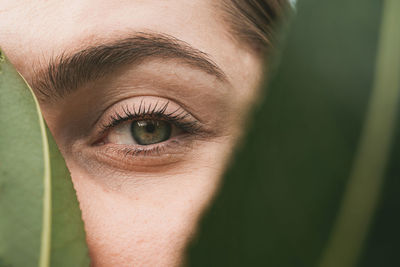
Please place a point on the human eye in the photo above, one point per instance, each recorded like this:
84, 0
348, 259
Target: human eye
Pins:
146, 131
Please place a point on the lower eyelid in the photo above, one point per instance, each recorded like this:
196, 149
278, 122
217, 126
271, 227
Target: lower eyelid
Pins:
136, 158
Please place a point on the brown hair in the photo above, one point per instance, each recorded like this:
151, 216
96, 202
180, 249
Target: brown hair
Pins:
254, 21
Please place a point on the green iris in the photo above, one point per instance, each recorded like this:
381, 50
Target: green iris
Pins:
150, 132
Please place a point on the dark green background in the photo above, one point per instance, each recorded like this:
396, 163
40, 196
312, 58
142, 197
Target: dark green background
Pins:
282, 193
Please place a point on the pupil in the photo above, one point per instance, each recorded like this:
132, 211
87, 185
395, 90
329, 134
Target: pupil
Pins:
150, 132
150, 127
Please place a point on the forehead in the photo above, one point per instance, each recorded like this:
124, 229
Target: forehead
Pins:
52, 27
35, 31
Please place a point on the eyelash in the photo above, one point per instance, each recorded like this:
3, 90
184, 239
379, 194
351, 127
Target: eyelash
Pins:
179, 118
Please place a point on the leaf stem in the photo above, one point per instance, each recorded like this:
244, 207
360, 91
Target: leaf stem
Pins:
45, 247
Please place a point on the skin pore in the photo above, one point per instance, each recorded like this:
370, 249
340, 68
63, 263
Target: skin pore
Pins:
140, 204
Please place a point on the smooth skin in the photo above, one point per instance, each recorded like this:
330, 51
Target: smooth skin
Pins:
139, 209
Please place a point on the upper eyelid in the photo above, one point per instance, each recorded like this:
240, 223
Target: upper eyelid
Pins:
165, 98
129, 113
140, 112
118, 119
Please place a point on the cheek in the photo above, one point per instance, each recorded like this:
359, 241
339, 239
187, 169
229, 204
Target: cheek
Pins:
150, 224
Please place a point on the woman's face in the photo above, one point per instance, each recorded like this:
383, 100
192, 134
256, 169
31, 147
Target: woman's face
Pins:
146, 122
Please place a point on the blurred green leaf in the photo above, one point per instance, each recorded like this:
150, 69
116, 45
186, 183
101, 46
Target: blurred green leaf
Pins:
366, 178
40, 219
281, 197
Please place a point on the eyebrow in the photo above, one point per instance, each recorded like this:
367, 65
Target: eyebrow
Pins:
66, 73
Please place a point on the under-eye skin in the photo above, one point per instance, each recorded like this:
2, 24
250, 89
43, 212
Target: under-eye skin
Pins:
148, 130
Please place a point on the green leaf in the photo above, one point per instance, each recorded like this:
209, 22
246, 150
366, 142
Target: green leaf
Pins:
40, 221
306, 185
364, 187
